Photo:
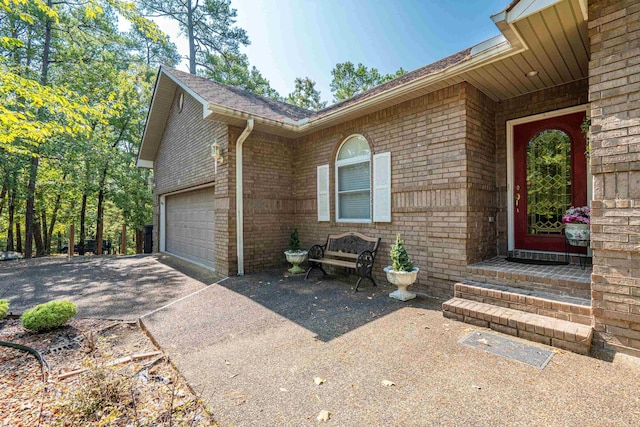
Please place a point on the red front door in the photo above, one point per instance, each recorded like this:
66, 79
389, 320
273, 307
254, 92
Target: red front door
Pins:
550, 174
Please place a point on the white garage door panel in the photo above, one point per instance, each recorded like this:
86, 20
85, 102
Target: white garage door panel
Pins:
190, 226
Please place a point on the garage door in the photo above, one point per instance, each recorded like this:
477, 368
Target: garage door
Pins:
190, 226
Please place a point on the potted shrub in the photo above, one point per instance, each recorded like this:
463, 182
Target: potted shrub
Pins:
577, 225
401, 273
295, 255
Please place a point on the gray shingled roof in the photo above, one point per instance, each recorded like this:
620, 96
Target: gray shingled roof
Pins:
242, 100
239, 99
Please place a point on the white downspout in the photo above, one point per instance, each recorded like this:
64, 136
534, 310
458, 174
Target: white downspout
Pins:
239, 197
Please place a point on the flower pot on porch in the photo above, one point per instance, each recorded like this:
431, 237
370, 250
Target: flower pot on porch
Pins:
578, 234
402, 279
295, 258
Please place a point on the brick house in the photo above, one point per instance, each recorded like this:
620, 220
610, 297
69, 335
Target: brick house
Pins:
449, 155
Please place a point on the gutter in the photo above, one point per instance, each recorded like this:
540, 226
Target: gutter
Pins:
239, 196
492, 50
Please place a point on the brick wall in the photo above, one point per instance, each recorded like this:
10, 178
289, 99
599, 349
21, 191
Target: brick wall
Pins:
429, 141
481, 176
555, 98
614, 90
269, 198
184, 160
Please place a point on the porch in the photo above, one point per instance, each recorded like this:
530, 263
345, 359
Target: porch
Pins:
549, 304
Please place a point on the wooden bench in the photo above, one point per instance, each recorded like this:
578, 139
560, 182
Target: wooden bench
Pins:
350, 250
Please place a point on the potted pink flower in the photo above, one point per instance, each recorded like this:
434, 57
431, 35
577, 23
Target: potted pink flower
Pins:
577, 223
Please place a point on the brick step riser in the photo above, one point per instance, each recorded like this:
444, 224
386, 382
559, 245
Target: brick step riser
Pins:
532, 327
574, 259
563, 287
530, 304
520, 333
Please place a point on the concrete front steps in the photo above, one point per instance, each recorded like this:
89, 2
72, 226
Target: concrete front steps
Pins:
559, 321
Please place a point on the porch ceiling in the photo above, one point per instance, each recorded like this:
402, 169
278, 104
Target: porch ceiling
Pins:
556, 45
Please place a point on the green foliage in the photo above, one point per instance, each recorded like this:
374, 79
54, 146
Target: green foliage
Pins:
81, 115
48, 316
399, 256
4, 307
208, 25
31, 114
294, 240
235, 70
305, 95
349, 80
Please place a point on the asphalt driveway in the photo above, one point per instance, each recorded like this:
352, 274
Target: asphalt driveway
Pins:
251, 347
106, 287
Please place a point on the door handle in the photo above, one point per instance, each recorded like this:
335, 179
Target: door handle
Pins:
517, 199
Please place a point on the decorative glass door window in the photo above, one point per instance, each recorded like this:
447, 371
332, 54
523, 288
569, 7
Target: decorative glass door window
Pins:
548, 181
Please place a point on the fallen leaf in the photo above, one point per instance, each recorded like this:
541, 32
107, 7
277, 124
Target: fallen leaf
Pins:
318, 380
485, 342
323, 416
226, 362
388, 383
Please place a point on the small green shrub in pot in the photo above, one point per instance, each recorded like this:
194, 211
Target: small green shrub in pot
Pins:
294, 241
4, 307
48, 316
399, 256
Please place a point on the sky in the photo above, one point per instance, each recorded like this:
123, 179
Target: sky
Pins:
307, 38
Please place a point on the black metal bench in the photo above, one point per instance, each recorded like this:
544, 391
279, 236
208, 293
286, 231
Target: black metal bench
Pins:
350, 250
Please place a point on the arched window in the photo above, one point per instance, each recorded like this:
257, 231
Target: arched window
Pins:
353, 180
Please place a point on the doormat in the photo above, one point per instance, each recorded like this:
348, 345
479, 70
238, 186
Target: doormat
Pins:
536, 261
509, 348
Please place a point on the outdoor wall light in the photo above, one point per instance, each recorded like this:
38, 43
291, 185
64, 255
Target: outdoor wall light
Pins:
216, 153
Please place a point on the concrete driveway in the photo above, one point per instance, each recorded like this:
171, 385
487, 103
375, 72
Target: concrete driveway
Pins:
106, 287
251, 347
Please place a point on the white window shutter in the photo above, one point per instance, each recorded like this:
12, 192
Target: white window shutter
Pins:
323, 193
382, 187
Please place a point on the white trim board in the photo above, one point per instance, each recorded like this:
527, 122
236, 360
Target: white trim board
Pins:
510, 125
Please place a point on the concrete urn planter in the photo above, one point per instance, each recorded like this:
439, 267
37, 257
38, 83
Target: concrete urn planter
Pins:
402, 279
295, 258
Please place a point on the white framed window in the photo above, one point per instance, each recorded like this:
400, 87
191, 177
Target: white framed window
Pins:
353, 180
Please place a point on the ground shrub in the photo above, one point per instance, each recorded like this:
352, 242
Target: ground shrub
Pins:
104, 397
48, 316
4, 307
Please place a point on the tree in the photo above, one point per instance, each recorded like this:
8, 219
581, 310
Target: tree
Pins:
64, 116
234, 70
305, 95
349, 80
207, 24
152, 52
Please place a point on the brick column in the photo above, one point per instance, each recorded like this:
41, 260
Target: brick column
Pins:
614, 90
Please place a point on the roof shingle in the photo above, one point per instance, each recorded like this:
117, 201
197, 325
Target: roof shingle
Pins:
242, 100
